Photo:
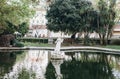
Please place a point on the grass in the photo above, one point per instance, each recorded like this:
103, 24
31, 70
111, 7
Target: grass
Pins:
53, 45
112, 46
38, 44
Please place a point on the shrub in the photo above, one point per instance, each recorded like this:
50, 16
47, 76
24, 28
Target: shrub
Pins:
34, 40
18, 44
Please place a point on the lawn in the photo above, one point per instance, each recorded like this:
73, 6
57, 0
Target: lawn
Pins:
38, 44
53, 45
112, 46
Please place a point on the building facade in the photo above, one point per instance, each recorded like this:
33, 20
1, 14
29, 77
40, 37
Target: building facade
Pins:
37, 26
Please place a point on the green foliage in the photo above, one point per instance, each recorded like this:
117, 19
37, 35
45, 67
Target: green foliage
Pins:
14, 12
68, 15
72, 16
34, 40
10, 28
23, 28
18, 44
106, 19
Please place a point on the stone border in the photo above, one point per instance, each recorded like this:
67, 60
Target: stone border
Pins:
67, 49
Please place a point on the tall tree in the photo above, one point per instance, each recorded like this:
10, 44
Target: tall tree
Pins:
67, 15
88, 25
15, 12
106, 19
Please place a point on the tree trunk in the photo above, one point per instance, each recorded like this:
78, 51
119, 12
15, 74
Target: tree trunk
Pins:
86, 39
102, 39
73, 38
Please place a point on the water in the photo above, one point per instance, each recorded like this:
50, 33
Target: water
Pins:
38, 64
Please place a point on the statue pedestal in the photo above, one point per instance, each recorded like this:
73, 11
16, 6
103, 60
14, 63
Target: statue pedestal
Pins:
57, 56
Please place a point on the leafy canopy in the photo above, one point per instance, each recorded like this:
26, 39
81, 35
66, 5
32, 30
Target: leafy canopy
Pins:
14, 11
68, 15
106, 16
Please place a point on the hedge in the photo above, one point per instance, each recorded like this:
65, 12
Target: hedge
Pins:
34, 40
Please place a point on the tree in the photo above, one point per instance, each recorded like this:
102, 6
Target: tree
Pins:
69, 16
15, 12
23, 28
106, 19
88, 25
10, 28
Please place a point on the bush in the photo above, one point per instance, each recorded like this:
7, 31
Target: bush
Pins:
18, 44
34, 40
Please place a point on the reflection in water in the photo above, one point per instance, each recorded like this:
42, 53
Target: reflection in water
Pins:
7, 60
56, 64
50, 71
88, 67
35, 61
37, 64
24, 74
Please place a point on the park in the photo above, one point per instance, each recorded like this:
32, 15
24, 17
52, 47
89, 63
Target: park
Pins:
60, 39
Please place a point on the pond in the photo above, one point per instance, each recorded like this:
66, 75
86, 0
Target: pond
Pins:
39, 64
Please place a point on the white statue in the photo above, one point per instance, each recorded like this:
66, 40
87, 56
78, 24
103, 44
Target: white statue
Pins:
57, 54
58, 45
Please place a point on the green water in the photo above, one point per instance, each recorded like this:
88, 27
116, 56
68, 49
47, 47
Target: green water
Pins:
37, 64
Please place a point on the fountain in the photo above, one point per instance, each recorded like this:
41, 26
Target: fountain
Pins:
56, 53
57, 57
